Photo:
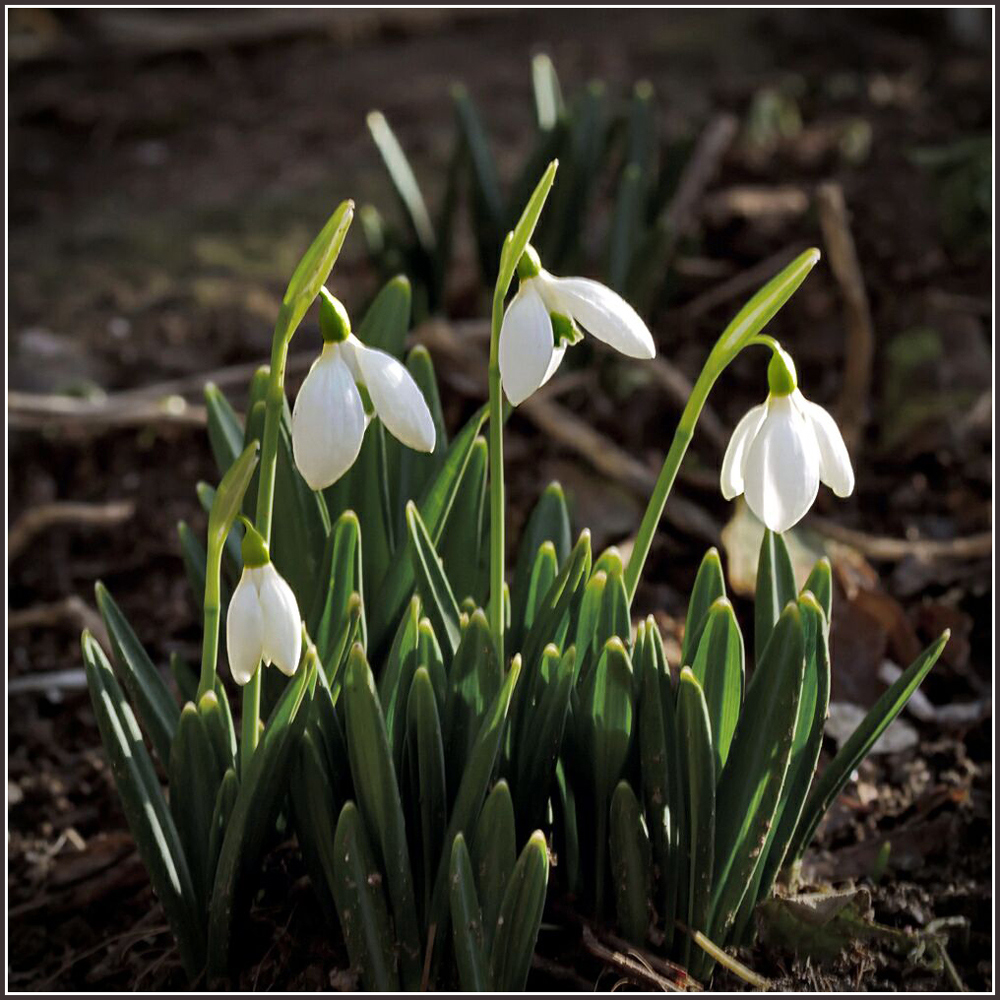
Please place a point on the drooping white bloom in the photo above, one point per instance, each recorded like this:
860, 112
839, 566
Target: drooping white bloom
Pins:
529, 352
329, 418
779, 453
263, 624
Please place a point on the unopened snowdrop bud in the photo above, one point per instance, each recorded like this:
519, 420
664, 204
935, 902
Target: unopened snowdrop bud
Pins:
263, 621
782, 449
329, 418
546, 316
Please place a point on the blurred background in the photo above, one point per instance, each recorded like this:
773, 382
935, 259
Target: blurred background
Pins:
167, 169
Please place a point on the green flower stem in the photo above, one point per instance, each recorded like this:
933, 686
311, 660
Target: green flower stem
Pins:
665, 480
742, 331
496, 479
250, 726
213, 601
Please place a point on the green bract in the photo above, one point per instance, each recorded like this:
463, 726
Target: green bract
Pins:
449, 724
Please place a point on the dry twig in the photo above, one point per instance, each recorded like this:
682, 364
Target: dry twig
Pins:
860, 347
64, 512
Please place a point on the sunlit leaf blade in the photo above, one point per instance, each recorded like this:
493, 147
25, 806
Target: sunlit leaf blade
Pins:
761, 308
475, 781
494, 854
225, 432
425, 747
520, 917
438, 600
854, 750
775, 588
519, 238
145, 810
461, 545
718, 665
709, 586
695, 736
548, 94
253, 813
750, 785
403, 179
631, 864
146, 688
396, 587
315, 266
359, 892
467, 922
377, 790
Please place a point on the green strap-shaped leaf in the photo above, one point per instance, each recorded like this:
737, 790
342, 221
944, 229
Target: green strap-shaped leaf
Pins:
439, 601
193, 554
718, 665
377, 789
820, 585
253, 814
364, 916
467, 922
479, 768
426, 756
396, 588
567, 831
147, 690
225, 801
660, 762
695, 736
751, 782
775, 588
557, 603
607, 712
148, 817
397, 673
520, 917
709, 586
856, 747
494, 854
517, 240
430, 657
314, 268
195, 775
487, 198
225, 432
548, 522
474, 680
461, 544
315, 808
631, 864
213, 707
387, 320
535, 759
615, 618
543, 573
340, 576
404, 181
588, 616
806, 744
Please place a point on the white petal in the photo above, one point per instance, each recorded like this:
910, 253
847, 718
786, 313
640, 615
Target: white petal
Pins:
527, 349
396, 396
328, 422
244, 630
834, 461
781, 469
282, 623
731, 479
604, 314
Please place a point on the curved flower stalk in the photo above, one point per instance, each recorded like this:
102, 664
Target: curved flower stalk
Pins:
546, 316
782, 449
330, 415
263, 623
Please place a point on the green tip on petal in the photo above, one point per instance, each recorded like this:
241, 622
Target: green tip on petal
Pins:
781, 378
530, 264
334, 323
254, 548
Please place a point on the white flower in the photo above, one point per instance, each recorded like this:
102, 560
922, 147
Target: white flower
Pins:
777, 456
329, 418
529, 354
263, 624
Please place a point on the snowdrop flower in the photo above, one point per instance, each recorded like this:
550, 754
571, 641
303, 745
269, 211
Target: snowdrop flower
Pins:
545, 317
781, 450
346, 385
263, 621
